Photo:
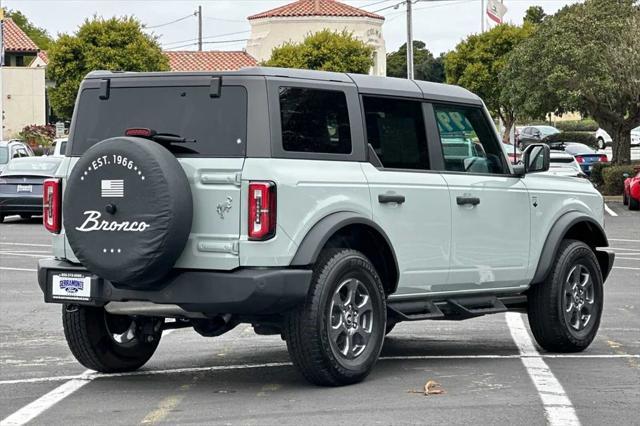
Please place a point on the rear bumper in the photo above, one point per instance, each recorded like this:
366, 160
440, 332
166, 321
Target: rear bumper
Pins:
243, 291
23, 204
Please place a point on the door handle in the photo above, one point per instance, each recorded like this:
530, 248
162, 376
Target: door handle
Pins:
390, 198
474, 201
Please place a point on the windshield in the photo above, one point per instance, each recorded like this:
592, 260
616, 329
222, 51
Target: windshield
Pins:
217, 124
4, 155
37, 164
548, 130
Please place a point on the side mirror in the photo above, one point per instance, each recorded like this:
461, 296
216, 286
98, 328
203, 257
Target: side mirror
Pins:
625, 175
536, 158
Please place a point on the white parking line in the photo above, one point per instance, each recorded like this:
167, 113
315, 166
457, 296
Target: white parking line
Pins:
8, 253
627, 258
37, 407
608, 210
558, 408
288, 364
6, 268
626, 267
621, 239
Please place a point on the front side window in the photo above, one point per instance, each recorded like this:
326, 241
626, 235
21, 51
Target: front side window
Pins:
314, 120
468, 142
395, 130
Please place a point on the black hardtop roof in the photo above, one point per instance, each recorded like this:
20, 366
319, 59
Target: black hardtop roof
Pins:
366, 84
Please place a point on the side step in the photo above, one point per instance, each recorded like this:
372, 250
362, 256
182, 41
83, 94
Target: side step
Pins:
448, 309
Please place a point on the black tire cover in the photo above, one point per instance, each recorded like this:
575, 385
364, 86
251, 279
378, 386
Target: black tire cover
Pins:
127, 210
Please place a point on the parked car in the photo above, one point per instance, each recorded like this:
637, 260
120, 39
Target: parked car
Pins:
21, 185
513, 152
635, 136
13, 149
311, 205
586, 156
59, 147
603, 138
631, 194
563, 164
535, 134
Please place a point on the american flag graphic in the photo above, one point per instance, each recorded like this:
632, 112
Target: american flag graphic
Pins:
112, 188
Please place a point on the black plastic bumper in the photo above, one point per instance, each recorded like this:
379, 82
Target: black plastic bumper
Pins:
244, 291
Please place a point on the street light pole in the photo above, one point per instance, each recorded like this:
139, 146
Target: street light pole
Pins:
481, 16
409, 40
200, 28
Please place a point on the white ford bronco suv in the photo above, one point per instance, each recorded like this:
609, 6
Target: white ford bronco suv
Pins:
324, 207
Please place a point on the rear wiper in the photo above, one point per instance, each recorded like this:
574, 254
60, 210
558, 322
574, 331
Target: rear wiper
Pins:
157, 137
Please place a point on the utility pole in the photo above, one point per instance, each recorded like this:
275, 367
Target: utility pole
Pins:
409, 40
481, 16
199, 28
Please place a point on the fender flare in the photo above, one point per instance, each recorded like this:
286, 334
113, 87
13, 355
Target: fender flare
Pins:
325, 228
558, 232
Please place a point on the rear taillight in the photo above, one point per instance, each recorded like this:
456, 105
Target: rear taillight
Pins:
604, 159
51, 205
579, 159
262, 210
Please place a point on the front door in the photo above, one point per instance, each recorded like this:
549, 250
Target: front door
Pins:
409, 201
490, 206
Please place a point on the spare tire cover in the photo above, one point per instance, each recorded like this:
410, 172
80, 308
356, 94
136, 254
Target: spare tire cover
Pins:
127, 210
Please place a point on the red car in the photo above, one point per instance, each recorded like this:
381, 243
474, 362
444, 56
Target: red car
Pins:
631, 195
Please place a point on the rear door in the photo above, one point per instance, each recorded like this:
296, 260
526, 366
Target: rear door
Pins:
408, 200
193, 107
490, 207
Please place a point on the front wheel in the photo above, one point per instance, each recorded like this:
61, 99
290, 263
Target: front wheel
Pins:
564, 311
110, 343
336, 336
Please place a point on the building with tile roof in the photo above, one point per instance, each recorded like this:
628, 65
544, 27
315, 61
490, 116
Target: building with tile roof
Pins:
19, 49
209, 60
294, 21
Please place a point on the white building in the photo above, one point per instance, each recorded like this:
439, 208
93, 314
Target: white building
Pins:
294, 21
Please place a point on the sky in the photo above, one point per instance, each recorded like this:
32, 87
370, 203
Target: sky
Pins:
441, 24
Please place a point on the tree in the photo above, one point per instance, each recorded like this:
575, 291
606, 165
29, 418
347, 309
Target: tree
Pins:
585, 58
477, 62
534, 15
116, 44
426, 66
40, 36
326, 51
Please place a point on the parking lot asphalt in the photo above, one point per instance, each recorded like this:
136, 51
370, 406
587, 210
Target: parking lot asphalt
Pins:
488, 372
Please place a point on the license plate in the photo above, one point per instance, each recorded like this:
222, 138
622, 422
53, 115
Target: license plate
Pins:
71, 286
24, 188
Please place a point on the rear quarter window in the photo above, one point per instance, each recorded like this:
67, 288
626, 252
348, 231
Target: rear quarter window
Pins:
217, 124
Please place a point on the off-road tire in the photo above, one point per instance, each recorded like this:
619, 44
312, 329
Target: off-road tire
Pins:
91, 344
306, 331
634, 204
625, 199
545, 301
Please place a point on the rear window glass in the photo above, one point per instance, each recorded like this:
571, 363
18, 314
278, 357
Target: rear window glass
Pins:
314, 121
38, 164
218, 125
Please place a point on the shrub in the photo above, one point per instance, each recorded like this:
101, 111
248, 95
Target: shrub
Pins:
586, 125
586, 138
35, 135
596, 173
613, 177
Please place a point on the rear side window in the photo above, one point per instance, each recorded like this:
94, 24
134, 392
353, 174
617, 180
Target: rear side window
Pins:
314, 120
395, 130
217, 124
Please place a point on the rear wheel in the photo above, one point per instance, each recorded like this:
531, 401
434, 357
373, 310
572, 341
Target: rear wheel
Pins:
625, 199
336, 336
565, 310
110, 343
634, 204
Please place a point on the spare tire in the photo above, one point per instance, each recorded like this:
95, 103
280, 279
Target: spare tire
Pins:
127, 210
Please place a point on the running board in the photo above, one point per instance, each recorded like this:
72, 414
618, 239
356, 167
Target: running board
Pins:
448, 309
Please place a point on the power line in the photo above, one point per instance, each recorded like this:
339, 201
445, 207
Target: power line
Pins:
170, 22
204, 38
